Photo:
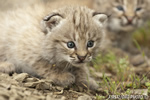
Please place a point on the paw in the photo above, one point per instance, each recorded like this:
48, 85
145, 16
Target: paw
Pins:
93, 85
88, 84
6, 67
64, 79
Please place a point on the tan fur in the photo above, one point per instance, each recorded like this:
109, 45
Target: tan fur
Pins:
12, 4
123, 22
34, 40
15, 4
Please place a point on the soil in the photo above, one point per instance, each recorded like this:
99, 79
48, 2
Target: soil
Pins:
25, 87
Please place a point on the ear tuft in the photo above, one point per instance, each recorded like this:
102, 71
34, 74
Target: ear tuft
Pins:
102, 18
50, 21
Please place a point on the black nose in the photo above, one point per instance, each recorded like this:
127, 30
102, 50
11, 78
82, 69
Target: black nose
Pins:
81, 58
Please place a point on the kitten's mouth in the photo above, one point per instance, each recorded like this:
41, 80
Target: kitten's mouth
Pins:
127, 24
128, 27
78, 63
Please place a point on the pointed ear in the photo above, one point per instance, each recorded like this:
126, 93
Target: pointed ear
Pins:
51, 21
100, 17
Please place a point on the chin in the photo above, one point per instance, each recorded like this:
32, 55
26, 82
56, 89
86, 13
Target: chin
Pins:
78, 64
127, 28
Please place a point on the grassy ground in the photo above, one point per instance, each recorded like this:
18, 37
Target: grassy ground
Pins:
142, 35
119, 78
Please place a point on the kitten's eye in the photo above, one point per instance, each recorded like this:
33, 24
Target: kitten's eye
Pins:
120, 8
90, 43
138, 9
70, 44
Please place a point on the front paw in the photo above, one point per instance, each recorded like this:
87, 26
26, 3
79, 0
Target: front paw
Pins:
6, 67
64, 79
88, 84
93, 85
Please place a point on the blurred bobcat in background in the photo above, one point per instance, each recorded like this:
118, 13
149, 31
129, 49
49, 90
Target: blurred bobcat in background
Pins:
126, 17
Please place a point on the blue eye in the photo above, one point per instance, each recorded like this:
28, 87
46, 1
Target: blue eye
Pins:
90, 43
120, 8
138, 9
70, 44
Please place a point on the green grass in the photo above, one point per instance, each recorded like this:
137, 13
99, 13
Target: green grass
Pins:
142, 35
123, 78
110, 63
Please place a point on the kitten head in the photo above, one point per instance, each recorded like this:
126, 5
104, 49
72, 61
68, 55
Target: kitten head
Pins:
73, 34
126, 15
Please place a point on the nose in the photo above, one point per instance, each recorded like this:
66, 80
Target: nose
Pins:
81, 58
130, 19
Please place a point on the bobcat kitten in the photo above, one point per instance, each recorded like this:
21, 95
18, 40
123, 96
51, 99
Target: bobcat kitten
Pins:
126, 16
55, 44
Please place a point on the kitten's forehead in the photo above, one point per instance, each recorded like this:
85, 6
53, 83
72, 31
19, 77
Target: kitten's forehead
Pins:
82, 19
80, 23
130, 2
